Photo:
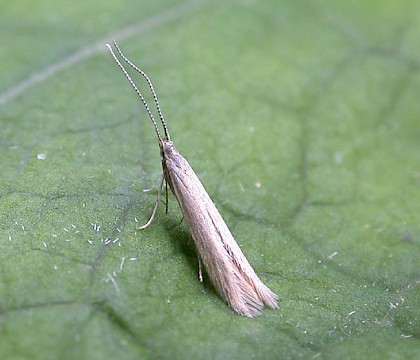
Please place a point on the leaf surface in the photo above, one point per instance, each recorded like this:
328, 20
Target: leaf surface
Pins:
301, 120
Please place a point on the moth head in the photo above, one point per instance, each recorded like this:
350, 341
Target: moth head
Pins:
167, 148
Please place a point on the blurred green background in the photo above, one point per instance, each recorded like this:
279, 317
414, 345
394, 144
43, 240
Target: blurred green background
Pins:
300, 117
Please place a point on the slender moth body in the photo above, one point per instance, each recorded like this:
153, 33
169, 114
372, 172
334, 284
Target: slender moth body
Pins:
227, 267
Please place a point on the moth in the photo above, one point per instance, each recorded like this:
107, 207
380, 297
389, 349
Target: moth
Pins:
226, 265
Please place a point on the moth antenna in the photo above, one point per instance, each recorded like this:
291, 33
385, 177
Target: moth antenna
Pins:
136, 89
152, 89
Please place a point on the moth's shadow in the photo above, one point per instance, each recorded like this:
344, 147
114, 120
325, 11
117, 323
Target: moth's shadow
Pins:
182, 240
184, 244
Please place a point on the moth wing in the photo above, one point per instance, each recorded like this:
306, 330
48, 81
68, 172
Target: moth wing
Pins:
226, 265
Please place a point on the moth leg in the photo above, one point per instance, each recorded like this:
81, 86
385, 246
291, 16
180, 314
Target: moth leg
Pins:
181, 221
200, 273
166, 196
156, 206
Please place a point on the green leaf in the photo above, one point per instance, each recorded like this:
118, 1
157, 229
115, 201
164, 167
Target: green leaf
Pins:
302, 120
